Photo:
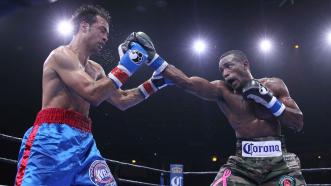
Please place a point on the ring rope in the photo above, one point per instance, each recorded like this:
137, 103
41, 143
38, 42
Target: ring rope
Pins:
137, 182
6, 160
10, 138
134, 165
16, 139
14, 162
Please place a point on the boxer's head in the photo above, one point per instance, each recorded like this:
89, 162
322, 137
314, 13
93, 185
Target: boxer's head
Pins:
235, 68
92, 24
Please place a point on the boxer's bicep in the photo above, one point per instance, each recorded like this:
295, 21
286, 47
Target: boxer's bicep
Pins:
281, 91
292, 117
287, 100
204, 89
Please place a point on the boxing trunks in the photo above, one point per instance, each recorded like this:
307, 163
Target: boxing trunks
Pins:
261, 161
59, 149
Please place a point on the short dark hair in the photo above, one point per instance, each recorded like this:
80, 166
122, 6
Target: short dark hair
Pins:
88, 14
238, 53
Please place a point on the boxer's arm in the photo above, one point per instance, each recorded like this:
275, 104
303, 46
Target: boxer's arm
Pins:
197, 86
292, 116
121, 99
76, 79
124, 99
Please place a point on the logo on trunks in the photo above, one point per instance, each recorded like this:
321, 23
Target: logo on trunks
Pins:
100, 174
286, 181
261, 148
136, 56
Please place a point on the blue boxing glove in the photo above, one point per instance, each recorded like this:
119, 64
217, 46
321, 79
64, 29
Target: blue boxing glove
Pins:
129, 62
155, 83
157, 63
255, 91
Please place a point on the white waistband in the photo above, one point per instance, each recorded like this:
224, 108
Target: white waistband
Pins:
261, 148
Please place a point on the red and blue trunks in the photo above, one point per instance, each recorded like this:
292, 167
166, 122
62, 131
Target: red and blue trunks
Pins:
59, 149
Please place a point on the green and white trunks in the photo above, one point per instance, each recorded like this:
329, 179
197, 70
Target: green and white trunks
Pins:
261, 161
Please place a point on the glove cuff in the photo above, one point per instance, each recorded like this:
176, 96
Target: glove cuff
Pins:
158, 64
276, 107
119, 75
147, 88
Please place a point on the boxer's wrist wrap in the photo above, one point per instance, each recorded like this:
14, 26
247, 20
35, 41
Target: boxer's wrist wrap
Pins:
147, 88
158, 64
119, 75
276, 107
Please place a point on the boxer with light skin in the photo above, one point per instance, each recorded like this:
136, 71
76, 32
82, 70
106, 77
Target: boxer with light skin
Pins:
256, 109
59, 149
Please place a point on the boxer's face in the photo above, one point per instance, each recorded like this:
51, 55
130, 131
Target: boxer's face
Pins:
233, 70
98, 34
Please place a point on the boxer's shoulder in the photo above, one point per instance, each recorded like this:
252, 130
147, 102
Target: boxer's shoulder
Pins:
275, 84
221, 86
64, 53
270, 80
218, 83
58, 54
62, 57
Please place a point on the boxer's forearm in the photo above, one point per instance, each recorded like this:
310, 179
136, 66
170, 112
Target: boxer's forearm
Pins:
176, 76
292, 116
195, 85
126, 98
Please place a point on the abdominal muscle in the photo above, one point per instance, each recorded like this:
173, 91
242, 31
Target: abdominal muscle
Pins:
247, 119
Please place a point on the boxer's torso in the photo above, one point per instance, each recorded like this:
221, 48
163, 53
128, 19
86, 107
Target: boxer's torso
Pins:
58, 95
248, 119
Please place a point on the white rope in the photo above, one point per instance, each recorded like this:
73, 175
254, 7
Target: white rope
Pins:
316, 169
138, 166
137, 182
8, 161
206, 172
16, 139
11, 138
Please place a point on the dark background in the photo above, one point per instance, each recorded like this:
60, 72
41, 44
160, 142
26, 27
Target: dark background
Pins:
174, 126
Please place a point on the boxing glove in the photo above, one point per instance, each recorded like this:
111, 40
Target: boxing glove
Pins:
255, 91
155, 83
156, 62
129, 62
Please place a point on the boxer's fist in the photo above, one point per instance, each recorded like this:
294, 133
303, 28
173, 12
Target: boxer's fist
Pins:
129, 62
255, 91
154, 60
159, 81
155, 83
143, 39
